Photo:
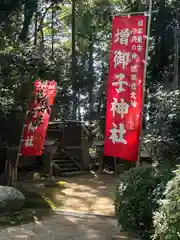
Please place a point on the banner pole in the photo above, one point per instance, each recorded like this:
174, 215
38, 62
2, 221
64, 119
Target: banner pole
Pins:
149, 14
133, 13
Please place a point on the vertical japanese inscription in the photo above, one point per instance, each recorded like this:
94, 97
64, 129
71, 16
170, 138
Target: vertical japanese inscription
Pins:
121, 61
34, 135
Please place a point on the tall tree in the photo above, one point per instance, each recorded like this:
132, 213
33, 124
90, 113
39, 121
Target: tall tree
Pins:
74, 64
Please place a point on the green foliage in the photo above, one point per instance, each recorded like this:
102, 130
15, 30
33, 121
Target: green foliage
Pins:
167, 217
136, 198
163, 141
47, 52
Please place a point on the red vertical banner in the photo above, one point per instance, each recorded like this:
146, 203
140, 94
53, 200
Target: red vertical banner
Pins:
125, 87
40, 109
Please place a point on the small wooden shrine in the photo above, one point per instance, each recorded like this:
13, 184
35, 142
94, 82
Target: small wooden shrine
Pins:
67, 147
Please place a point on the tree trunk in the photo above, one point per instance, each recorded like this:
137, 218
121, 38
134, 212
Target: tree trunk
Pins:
36, 27
3, 171
52, 34
90, 75
30, 7
74, 66
79, 106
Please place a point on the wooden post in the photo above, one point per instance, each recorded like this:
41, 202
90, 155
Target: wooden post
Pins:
115, 165
15, 168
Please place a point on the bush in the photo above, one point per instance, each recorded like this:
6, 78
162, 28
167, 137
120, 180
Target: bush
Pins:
136, 198
162, 140
167, 218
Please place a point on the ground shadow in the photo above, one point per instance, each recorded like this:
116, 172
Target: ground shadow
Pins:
62, 227
79, 194
36, 207
42, 220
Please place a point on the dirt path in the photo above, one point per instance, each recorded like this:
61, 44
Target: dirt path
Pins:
83, 194
60, 227
79, 194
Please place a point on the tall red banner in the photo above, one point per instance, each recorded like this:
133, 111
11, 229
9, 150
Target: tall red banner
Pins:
125, 87
34, 135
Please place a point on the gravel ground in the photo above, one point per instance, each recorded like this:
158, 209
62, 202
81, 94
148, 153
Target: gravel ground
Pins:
63, 227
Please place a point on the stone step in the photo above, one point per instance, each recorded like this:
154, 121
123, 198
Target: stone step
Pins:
72, 174
62, 157
62, 161
70, 169
64, 168
65, 164
123, 236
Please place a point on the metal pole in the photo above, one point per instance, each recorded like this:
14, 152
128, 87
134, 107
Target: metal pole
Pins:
134, 13
145, 73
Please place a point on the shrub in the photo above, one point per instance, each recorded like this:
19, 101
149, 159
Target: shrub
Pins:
136, 198
167, 218
162, 140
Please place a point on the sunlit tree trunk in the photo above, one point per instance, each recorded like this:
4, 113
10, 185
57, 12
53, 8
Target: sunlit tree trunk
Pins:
74, 64
36, 27
90, 75
52, 34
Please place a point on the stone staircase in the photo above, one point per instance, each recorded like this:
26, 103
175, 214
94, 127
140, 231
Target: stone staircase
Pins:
64, 165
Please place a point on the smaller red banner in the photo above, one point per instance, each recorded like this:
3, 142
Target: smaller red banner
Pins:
34, 136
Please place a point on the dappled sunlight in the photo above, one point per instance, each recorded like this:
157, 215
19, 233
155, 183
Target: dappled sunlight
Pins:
61, 183
79, 194
102, 187
70, 196
50, 202
102, 205
36, 220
